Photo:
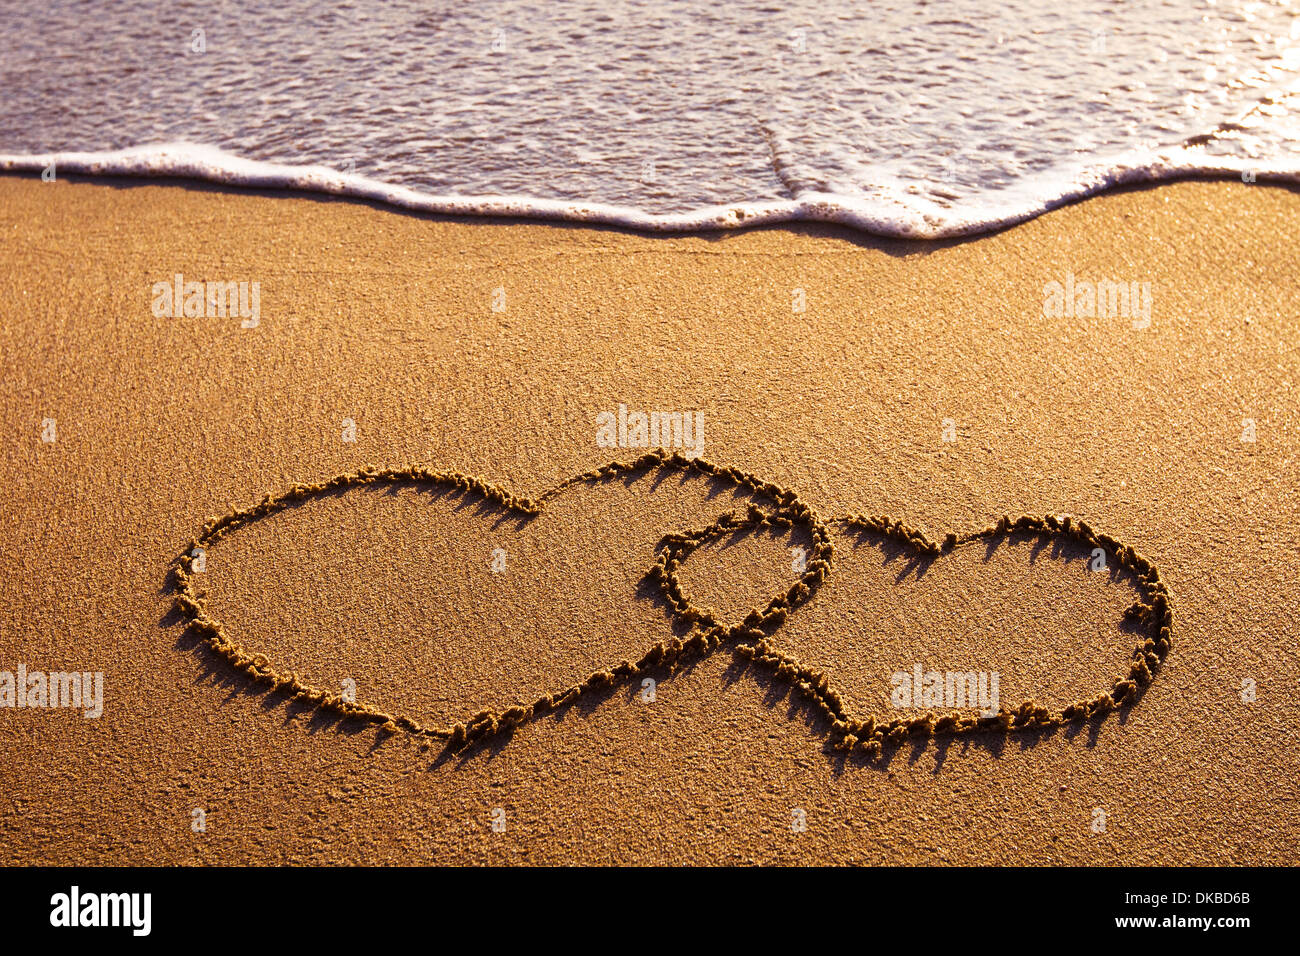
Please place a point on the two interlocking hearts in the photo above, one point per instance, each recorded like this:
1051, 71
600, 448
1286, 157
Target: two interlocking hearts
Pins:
767, 508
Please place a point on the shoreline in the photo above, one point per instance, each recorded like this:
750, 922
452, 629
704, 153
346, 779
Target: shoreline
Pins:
202, 165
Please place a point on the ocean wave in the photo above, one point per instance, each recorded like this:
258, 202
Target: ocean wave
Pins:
902, 216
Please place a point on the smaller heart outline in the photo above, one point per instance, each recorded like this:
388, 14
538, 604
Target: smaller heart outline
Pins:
850, 732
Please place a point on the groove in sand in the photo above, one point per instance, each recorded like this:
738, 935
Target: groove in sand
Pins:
748, 639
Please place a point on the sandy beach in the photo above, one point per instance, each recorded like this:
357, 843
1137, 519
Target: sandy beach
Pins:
938, 384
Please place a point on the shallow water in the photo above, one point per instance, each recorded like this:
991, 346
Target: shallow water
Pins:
903, 118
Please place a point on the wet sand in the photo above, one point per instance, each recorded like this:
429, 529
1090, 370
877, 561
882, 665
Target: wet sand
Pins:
919, 382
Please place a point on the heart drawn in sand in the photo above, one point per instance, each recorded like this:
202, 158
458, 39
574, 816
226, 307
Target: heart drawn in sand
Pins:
752, 639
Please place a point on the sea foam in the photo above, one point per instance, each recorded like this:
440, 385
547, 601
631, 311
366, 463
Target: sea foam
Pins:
896, 118
921, 220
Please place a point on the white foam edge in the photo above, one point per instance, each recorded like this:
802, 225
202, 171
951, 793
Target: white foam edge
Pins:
909, 217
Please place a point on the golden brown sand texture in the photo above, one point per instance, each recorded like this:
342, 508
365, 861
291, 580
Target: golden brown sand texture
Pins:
365, 587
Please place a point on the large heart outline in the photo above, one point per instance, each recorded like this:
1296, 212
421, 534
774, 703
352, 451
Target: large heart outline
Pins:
786, 511
749, 639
